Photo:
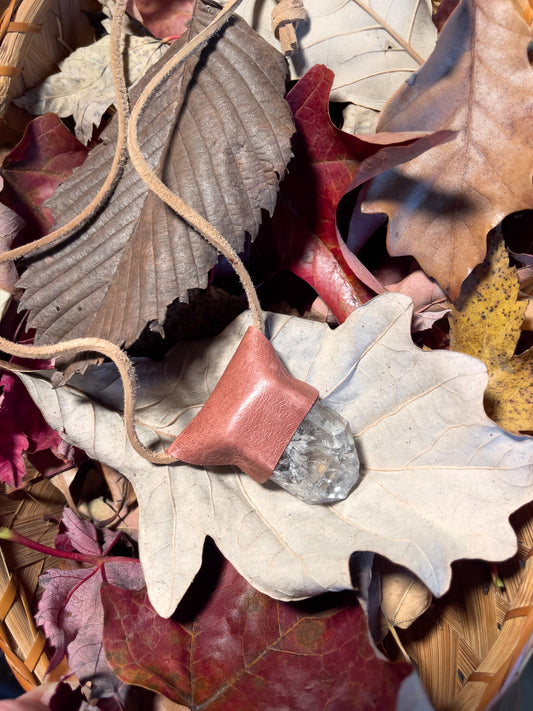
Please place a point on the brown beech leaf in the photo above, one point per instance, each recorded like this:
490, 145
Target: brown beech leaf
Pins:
478, 81
223, 154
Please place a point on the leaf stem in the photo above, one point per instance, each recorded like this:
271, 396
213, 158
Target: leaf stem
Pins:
392, 32
8, 534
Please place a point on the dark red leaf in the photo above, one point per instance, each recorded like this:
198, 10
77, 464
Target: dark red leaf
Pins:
44, 157
443, 13
246, 650
302, 235
329, 277
22, 429
141, 647
46, 154
66, 698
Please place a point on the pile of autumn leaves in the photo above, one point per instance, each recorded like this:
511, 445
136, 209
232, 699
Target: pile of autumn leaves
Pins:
452, 158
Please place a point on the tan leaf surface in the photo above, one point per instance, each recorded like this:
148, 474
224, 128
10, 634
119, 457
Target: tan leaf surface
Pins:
372, 47
486, 323
438, 478
478, 81
403, 597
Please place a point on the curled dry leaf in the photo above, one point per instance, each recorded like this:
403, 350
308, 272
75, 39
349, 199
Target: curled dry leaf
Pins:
478, 82
223, 155
83, 88
302, 234
403, 597
371, 46
438, 482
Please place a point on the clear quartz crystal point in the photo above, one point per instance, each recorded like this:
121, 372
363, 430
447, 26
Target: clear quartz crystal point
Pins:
320, 464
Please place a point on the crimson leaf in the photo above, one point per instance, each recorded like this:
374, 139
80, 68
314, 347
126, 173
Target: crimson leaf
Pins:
45, 156
242, 647
23, 430
302, 234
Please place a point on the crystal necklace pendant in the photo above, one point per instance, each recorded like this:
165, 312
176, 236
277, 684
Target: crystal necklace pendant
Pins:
272, 426
320, 464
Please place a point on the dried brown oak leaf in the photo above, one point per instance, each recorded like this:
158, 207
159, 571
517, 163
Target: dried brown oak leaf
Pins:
223, 154
478, 81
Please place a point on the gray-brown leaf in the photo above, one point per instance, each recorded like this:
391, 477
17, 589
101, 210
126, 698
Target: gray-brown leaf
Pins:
223, 154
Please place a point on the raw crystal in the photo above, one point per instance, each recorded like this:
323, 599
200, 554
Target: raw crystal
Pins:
320, 464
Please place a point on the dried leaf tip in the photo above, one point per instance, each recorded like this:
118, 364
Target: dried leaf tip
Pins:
285, 18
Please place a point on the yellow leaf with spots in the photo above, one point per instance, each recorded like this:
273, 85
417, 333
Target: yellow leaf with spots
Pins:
486, 323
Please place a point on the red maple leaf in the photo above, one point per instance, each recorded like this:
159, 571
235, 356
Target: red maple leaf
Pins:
302, 235
233, 647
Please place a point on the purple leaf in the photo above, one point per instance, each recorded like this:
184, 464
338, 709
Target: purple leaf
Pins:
76, 534
71, 614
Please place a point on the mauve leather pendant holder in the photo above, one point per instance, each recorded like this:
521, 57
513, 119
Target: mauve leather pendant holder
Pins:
251, 415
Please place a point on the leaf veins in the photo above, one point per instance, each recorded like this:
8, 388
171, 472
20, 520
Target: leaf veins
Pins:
223, 153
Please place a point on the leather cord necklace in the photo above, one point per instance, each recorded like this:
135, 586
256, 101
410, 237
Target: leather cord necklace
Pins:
79, 346
257, 408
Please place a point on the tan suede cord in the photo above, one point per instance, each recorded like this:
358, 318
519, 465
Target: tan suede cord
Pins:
80, 346
125, 369
194, 219
119, 159
97, 345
